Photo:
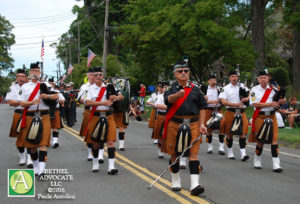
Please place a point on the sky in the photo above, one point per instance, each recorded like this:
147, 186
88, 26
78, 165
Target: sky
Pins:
33, 19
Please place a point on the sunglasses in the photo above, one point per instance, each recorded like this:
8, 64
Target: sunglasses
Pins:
183, 70
97, 74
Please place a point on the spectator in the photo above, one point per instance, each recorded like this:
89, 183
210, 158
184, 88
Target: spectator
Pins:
142, 93
290, 112
135, 110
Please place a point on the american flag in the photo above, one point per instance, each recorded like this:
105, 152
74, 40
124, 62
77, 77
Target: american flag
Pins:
70, 69
42, 50
91, 56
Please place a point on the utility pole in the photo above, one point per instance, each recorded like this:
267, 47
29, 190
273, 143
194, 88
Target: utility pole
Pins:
78, 39
106, 34
70, 56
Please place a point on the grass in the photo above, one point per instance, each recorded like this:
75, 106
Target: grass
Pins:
289, 135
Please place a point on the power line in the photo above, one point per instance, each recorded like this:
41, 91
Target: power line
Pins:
41, 20
45, 36
40, 17
34, 43
56, 21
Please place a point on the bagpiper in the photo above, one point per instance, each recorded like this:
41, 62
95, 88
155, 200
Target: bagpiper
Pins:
12, 99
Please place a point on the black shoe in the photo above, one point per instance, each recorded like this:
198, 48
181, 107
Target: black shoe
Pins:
245, 158
257, 167
101, 161
209, 152
89, 159
279, 170
161, 157
197, 191
176, 189
30, 166
122, 149
95, 170
22, 164
232, 158
55, 145
113, 172
221, 152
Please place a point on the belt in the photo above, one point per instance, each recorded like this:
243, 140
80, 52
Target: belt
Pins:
235, 110
267, 113
18, 111
87, 107
161, 113
102, 113
213, 108
184, 120
33, 113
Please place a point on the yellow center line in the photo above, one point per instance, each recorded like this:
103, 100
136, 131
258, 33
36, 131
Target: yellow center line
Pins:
145, 170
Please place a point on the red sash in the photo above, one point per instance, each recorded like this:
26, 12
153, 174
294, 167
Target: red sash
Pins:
175, 107
257, 110
100, 96
31, 97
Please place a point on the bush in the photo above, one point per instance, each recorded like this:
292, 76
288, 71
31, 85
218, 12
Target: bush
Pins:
280, 75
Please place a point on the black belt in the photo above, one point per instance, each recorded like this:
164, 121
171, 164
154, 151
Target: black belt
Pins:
267, 113
213, 108
18, 111
161, 113
33, 113
184, 120
235, 109
99, 113
87, 107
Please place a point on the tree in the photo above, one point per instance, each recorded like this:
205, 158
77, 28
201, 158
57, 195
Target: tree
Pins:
7, 39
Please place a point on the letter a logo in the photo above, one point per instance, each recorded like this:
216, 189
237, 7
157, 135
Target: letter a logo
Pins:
21, 183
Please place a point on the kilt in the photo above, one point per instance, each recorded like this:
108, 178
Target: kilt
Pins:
46, 134
151, 123
208, 113
173, 128
157, 132
55, 122
259, 122
111, 133
85, 121
228, 120
16, 118
118, 117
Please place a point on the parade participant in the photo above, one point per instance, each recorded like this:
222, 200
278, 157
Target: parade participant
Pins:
235, 120
184, 124
70, 105
56, 121
211, 93
34, 104
264, 123
161, 108
12, 99
153, 114
142, 93
101, 127
86, 114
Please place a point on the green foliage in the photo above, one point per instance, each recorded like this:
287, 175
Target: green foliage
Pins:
280, 75
5, 84
292, 13
7, 39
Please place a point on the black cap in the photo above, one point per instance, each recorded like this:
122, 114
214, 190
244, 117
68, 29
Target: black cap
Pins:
263, 73
97, 69
90, 70
233, 72
212, 77
51, 79
180, 64
34, 65
21, 71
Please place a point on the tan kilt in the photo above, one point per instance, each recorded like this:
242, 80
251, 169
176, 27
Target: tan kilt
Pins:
55, 122
118, 117
151, 123
111, 134
172, 133
259, 122
228, 120
13, 129
46, 135
208, 113
85, 121
157, 132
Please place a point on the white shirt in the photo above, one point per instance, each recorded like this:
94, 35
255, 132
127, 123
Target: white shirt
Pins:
92, 94
160, 100
14, 91
83, 91
212, 95
26, 91
256, 94
153, 98
231, 93
60, 98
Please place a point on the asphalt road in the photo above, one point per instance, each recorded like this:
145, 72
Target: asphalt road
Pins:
225, 181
